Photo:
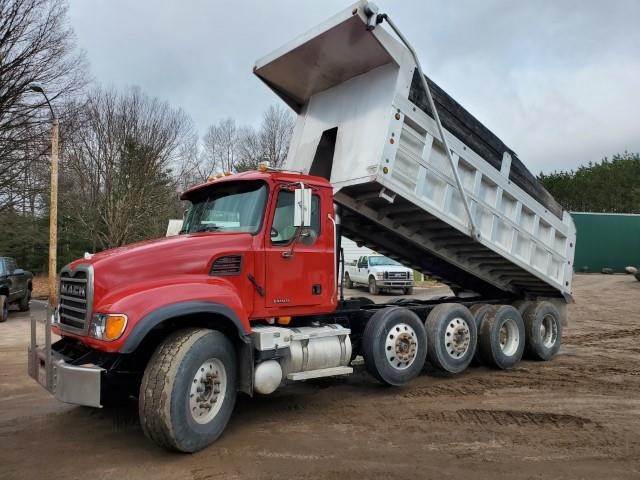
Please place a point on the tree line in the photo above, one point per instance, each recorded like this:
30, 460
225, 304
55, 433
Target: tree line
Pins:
124, 155
611, 186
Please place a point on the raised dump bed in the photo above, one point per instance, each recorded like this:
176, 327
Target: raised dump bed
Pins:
364, 123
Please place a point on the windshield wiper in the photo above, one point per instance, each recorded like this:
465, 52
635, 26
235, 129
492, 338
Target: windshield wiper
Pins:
207, 228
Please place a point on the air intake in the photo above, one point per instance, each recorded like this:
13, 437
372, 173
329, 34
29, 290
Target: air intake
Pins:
227, 265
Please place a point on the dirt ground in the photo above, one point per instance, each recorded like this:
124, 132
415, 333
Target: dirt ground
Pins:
577, 416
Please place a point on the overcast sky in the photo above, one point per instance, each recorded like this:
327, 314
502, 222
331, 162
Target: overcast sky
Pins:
557, 80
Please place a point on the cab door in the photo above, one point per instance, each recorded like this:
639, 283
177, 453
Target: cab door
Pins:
363, 269
300, 263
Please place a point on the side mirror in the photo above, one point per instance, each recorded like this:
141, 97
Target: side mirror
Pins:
302, 207
18, 271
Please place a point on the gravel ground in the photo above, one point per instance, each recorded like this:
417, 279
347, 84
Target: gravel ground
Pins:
577, 416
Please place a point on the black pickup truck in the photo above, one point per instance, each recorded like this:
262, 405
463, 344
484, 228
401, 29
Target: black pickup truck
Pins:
15, 287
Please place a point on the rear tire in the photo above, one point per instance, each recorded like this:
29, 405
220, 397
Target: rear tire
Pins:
373, 286
24, 301
394, 346
522, 306
451, 337
347, 281
188, 390
4, 308
543, 327
478, 310
502, 337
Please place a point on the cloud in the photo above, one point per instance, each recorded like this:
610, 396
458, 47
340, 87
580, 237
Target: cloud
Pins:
556, 80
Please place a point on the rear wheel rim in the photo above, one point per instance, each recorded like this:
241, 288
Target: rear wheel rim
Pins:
509, 337
208, 388
401, 346
457, 337
548, 331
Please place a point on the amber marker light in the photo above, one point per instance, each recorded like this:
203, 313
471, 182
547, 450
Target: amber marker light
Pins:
108, 327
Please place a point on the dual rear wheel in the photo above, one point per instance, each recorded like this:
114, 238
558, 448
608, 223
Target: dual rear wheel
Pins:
396, 343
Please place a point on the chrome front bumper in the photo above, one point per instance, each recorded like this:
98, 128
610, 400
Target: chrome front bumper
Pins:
77, 384
395, 283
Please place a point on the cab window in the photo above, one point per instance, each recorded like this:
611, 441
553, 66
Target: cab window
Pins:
282, 229
11, 265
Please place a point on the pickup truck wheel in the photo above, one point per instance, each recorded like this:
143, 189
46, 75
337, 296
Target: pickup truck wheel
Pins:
373, 286
394, 346
188, 390
451, 337
502, 337
347, 281
408, 291
543, 328
4, 308
24, 301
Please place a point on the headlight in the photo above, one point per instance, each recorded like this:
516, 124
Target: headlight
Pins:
380, 275
108, 326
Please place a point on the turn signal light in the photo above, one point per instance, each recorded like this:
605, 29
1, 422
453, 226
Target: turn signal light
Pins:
284, 320
108, 327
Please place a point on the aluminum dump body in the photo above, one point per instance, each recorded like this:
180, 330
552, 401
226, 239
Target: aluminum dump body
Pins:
364, 123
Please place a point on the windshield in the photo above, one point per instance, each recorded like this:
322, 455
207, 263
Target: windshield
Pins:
379, 261
228, 207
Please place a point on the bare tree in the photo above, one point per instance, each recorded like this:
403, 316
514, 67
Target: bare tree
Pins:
119, 178
220, 145
275, 134
269, 143
36, 45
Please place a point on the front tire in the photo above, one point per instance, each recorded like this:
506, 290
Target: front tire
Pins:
394, 346
4, 308
188, 390
373, 286
24, 301
408, 291
347, 281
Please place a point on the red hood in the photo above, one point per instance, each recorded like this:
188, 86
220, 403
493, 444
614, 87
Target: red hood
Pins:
165, 257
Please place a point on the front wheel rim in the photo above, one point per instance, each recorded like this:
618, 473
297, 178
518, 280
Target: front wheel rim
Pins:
401, 346
208, 388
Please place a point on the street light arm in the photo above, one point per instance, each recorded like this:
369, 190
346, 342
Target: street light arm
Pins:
37, 88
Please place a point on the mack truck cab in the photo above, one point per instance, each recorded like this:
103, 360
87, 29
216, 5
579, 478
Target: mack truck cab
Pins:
247, 298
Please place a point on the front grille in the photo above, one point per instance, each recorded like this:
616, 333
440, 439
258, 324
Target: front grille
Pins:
228, 265
396, 275
75, 298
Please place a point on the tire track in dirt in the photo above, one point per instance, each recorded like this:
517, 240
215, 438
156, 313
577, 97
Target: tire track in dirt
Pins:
484, 417
601, 337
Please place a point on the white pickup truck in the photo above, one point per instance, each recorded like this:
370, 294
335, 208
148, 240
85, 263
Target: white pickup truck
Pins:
379, 273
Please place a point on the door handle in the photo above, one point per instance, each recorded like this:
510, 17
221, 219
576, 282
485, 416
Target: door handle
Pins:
287, 254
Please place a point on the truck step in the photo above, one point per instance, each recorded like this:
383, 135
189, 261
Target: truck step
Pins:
323, 372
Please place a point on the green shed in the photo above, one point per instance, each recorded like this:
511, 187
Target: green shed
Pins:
606, 240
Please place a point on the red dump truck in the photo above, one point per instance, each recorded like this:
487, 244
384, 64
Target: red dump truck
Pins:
247, 298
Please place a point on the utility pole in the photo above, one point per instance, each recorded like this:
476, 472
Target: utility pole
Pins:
53, 216
53, 207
